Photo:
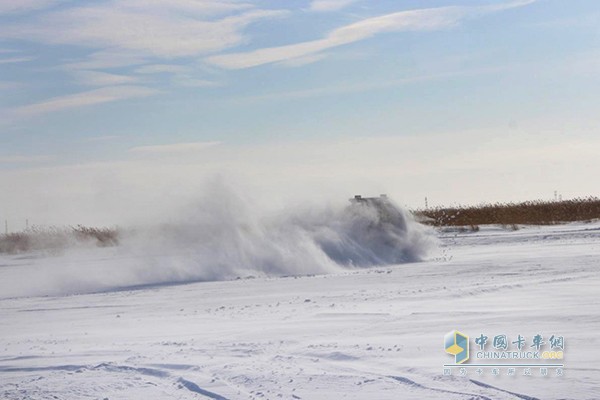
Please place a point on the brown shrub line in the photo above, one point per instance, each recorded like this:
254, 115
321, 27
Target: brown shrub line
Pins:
537, 212
55, 238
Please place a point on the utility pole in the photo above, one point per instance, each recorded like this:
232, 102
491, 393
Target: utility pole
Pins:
6, 227
426, 205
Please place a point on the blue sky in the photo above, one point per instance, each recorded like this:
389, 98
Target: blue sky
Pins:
414, 94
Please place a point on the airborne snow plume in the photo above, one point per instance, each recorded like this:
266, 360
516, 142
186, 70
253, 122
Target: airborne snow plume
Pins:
224, 237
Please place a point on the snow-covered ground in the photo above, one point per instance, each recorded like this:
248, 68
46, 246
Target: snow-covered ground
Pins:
359, 334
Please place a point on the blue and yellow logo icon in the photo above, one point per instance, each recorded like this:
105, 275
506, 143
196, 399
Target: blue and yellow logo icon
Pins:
457, 344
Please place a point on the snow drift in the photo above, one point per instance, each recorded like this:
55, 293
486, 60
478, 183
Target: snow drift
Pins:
224, 237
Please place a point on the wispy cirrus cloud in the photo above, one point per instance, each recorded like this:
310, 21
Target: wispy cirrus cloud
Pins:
404, 21
176, 148
161, 69
126, 34
330, 5
191, 82
106, 59
180, 75
205, 8
14, 60
178, 28
97, 78
92, 97
22, 6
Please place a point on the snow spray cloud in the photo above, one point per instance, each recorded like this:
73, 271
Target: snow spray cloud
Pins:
224, 236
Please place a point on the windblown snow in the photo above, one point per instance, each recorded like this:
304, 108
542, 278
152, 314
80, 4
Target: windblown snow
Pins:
348, 332
222, 237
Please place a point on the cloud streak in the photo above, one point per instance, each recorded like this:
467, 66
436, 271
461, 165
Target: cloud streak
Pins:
330, 5
22, 6
14, 60
429, 19
177, 148
92, 97
96, 78
162, 69
152, 29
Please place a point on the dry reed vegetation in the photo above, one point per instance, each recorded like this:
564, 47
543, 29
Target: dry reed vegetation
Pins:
513, 214
464, 218
53, 238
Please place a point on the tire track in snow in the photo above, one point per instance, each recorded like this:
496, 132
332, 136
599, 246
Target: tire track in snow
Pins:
414, 384
191, 386
109, 367
520, 396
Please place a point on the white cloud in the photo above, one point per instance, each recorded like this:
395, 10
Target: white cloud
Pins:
180, 75
177, 148
195, 7
96, 78
403, 21
330, 5
97, 96
188, 81
113, 58
20, 6
161, 68
13, 60
160, 29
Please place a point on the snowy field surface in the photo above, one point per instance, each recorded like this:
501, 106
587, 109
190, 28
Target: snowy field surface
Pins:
373, 333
